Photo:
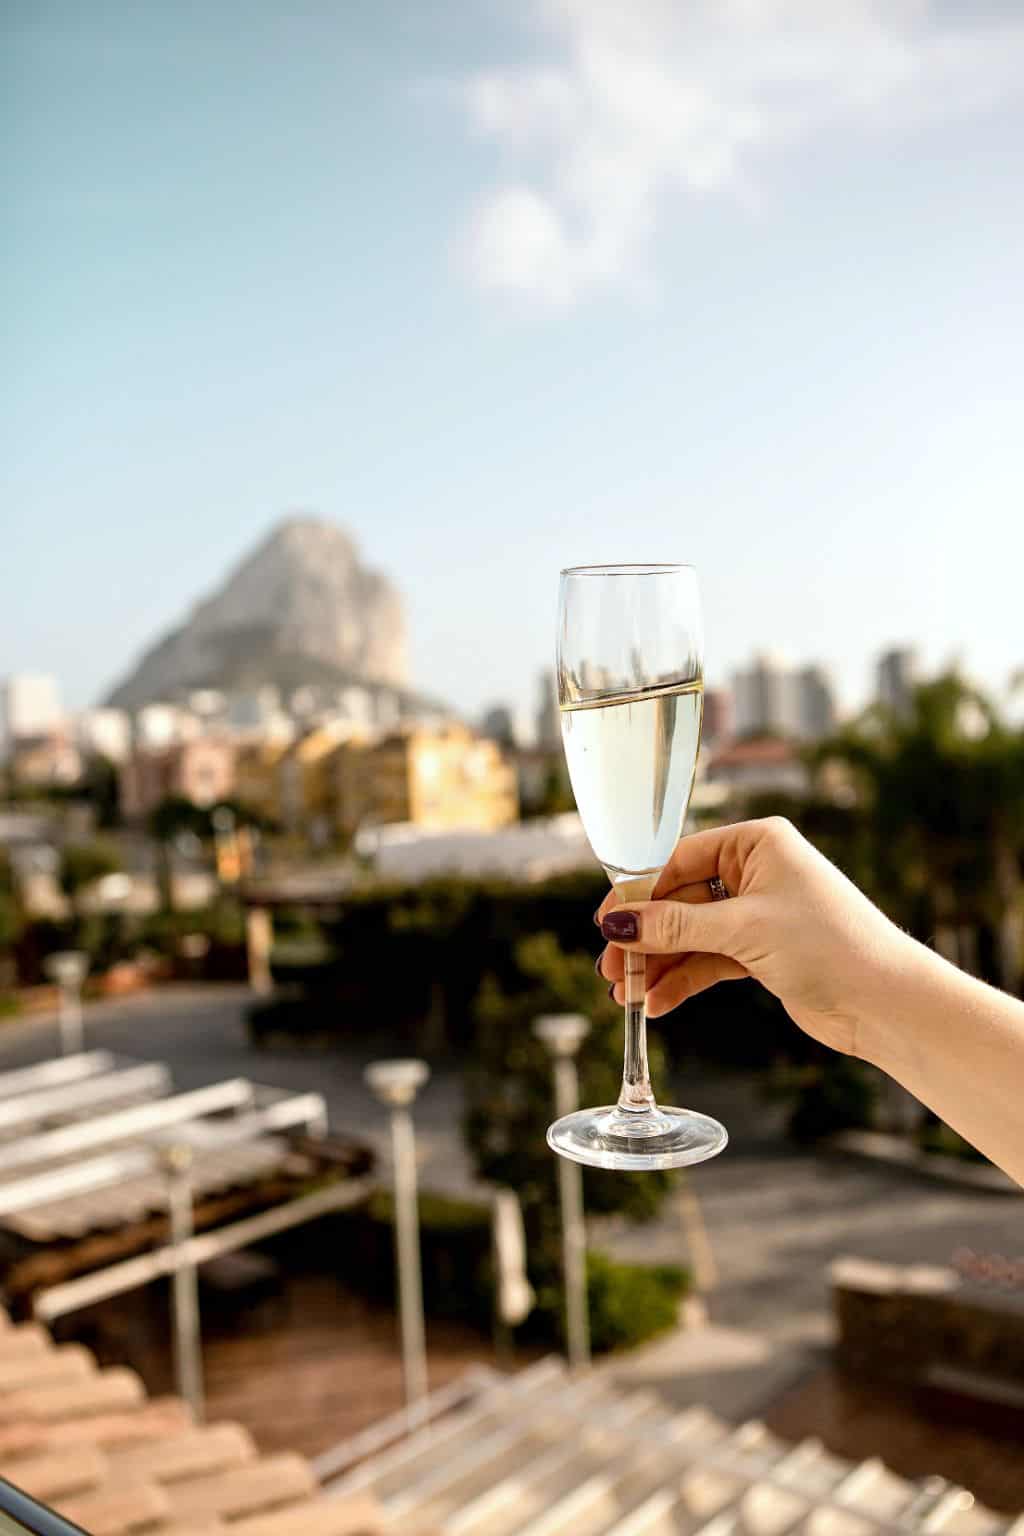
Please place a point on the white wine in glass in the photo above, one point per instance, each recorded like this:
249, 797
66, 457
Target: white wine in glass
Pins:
631, 695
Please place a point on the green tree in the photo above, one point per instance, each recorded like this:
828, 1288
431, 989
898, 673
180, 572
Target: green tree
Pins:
558, 796
99, 786
509, 1085
940, 803
82, 864
174, 816
509, 1105
11, 922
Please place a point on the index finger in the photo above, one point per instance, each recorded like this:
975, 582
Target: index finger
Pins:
671, 883
696, 857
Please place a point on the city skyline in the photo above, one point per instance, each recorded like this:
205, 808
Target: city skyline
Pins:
501, 293
769, 695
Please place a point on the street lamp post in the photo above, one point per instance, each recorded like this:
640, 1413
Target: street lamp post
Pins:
67, 969
188, 1344
259, 940
563, 1034
396, 1084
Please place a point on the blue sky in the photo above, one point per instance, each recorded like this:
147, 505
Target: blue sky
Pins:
507, 287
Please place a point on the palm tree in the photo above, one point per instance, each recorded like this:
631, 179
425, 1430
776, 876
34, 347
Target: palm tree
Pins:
940, 797
166, 823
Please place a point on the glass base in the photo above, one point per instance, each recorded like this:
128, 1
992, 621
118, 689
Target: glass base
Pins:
637, 1140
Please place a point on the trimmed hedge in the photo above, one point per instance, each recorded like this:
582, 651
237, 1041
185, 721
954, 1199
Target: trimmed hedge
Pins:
438, 941
628, 1302
455, 1255
835, 1094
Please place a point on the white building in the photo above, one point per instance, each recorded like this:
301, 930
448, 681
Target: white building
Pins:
896, 676
31, 706
164, 725
527, 850
257, 712
104, 733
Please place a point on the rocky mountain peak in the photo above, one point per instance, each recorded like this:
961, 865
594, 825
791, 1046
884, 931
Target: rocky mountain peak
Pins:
301, 607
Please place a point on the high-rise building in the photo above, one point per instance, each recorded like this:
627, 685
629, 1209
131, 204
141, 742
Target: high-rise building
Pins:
815, 703
896, 676
775, 699
765, 699
549, 726
507, 724
499, 725
31, 706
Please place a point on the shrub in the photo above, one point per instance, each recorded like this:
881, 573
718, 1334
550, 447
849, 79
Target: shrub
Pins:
509, 1090
936, 1136
291, 1017
437, 943
834, 1095
82, 864
628, 1302
455, 1255
11, 921
631, 1302
223, 923
104, 936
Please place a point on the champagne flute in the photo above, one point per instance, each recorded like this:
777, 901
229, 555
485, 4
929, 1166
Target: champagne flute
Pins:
631, 696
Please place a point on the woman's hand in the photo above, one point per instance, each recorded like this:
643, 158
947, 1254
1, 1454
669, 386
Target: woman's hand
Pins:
844, 972
792, 921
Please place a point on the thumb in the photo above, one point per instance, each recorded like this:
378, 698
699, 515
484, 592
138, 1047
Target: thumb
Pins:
675, 927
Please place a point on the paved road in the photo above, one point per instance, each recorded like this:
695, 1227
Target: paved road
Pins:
775, 1218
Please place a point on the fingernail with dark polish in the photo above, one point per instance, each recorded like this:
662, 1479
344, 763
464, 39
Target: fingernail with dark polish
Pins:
597, 965
611, 991
622, 927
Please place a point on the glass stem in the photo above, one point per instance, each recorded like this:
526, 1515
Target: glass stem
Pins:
636, 1094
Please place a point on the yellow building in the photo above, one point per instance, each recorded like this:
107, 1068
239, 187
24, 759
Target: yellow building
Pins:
434, 778
257, 777
306, 781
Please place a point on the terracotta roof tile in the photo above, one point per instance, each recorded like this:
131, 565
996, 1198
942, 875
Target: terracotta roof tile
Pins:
27, 1340
164, 1416
212, 1527
195, 1453
358, 1515
70, 1363
88, 1442
59, 1472
115, 1511
767, 749
115, 1388
246, 1490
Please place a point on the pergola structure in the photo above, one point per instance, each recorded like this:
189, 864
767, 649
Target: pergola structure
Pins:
110, 1180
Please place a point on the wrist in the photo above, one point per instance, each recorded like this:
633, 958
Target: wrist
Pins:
888, 1013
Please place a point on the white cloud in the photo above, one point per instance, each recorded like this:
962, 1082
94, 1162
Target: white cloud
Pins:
650, 101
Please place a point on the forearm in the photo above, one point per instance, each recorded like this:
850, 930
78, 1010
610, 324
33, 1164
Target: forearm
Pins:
956, 1044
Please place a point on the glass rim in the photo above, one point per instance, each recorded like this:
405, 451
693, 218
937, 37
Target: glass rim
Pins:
640, 568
